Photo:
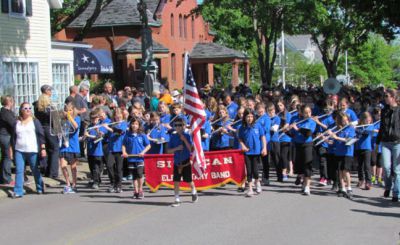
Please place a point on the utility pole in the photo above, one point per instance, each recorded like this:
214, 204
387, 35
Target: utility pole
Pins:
347, 69
283, 59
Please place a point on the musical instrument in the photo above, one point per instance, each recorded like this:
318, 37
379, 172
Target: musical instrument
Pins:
102, 125
337, 131
332, 86
134, 155
323, 134
60, 126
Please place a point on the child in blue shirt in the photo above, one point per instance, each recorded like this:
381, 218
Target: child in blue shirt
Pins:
69, 152
324, 122
364, 149
284, 139
115, 160
302, 130
376, 157
180, 145
252, 140
134, 145
94, 148
344, 153
273, 145
157, 134
205, 135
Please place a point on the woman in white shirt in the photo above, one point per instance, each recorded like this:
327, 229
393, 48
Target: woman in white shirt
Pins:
29, 143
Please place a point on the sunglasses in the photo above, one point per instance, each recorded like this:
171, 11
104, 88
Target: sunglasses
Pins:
27, 108
178, 125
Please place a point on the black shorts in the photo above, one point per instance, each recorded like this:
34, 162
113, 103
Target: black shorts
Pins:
344, 163
137, 173
186, 173
376, 159
69, 157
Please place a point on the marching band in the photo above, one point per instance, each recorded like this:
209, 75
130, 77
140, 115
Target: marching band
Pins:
317, 128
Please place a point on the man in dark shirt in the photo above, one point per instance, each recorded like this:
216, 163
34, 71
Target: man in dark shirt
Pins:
7, 122
73, 91
81, 106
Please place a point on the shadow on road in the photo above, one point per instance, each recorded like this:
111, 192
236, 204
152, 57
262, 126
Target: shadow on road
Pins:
137, 202
383, 214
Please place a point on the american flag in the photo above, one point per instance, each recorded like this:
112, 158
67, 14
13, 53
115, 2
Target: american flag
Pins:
195, 109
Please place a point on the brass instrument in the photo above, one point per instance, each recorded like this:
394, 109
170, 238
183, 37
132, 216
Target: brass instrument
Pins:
60, 126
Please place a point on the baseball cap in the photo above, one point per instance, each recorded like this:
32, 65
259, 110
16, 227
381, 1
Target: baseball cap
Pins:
175, 93
46, 87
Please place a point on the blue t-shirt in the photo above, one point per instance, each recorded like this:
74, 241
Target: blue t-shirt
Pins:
341, 149
116, 138
236, 144
158, 132
94, 149
285, 137
219, 139
165, 118
73, 138
330, 123
377, 126
182, 155
265, 122
352, 115
275, 122
364, 135
135, 144
232, 110
251, 137
299, 137
106, 133
205, 142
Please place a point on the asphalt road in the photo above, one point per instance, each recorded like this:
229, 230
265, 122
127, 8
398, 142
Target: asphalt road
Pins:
280, 215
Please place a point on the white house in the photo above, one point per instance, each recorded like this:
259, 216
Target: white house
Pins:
28, 56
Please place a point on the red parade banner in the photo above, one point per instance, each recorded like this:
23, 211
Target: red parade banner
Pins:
222, 167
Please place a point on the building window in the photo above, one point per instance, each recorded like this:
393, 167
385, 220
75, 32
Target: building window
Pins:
180, 26
20, 81
193, 27
173, 67
172, 25
61, 81
17, 8
185, 27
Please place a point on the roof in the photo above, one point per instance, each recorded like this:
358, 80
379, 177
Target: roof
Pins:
117, 13
132, 45
68, 44
213, 51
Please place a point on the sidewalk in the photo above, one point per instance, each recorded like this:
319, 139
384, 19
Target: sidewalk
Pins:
83, 172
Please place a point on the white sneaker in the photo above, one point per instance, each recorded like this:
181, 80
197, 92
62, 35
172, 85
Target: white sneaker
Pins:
177, 202
258, 188
250, 193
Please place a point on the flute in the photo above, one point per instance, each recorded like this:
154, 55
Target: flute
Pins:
102, 125
323, 133
337, 131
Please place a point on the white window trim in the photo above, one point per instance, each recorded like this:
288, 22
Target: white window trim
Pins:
17, 15
71, 71
22, 60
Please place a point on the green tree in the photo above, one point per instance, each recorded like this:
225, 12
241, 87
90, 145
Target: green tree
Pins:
373, 63
243, 23
334, 28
